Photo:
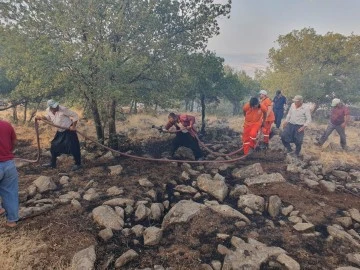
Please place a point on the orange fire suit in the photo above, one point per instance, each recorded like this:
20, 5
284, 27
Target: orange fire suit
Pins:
266, 129
253, 120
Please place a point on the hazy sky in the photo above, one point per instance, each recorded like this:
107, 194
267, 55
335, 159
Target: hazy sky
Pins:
255, 25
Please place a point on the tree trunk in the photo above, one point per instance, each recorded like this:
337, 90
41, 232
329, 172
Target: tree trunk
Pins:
25, 111
192, 105
97, 120
33, 113
236, 108
15, 117
113, 142
203, 107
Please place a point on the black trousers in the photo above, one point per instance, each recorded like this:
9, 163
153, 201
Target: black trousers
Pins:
278, 116
65, 142
186, 140
292, 135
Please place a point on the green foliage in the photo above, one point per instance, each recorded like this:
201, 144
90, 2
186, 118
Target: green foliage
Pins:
100, 50
319, 67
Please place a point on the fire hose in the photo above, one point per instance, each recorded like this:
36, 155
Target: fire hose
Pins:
125, 154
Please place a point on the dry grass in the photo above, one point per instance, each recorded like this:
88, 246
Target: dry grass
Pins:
25, 250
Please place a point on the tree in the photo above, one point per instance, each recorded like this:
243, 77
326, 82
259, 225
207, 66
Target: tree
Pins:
108, 50
319, 67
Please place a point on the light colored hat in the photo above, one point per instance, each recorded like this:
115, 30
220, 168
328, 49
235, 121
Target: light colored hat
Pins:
52, 103
263, 92
335, 102
298, 98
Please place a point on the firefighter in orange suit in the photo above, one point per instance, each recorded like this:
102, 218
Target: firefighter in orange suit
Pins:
255, 114
270, 117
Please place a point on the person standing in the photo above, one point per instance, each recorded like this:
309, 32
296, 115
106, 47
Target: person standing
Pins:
186, 135
339, 119
297, 119
66, 140
9, 180
255, 115
269, 119
279, 106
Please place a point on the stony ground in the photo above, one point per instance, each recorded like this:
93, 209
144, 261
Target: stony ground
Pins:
269, 211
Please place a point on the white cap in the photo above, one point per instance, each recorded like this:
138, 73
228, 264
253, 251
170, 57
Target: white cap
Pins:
335, 102
263, 92
52, 103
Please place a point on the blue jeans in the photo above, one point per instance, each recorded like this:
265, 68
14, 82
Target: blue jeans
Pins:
9, 189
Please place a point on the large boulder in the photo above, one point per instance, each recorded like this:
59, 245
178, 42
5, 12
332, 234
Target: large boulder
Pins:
84, 259
252, 201
44, 183
265, 179
248, 171
215, 187
182, 212
105, 216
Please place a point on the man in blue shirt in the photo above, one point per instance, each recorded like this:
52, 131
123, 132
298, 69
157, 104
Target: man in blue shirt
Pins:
278, 107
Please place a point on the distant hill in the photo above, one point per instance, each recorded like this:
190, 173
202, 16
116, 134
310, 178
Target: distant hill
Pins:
247, 62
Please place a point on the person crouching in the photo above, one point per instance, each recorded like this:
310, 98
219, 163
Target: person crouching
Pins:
187, 136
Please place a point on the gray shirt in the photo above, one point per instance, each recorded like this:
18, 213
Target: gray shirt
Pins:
299, 116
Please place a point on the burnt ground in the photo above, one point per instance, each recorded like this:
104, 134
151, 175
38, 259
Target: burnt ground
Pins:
64, 231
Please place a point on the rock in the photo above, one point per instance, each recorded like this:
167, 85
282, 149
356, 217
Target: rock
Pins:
152, 236
295, 219
239, 190
184, 153
142, 212
248, 171
216, 265
274, 206
32, 190
114, 191
345, 222
105, 216
311, 183
152, 194
70, 195
138, 230
354, 258
355, 215
120, 202
228, 212
341, 175
264, 179
76, 204
144, 182
328, 186
84, 259
216, 188
185, 189
347, 268
288, 262
341, 234
44, 183
254, 202
303, 227
184, 176
91, 195
115, 170
250, 255
64, 180
182, 212
287, 210
157, 210
25, 212
125, 258
106, 234
223, 250
120, 212
222, 236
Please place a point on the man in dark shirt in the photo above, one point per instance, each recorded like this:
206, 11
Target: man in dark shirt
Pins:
278, 107
9, 186
339, 118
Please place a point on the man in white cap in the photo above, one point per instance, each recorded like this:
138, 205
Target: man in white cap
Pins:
66, 140
297, 119
339, 119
